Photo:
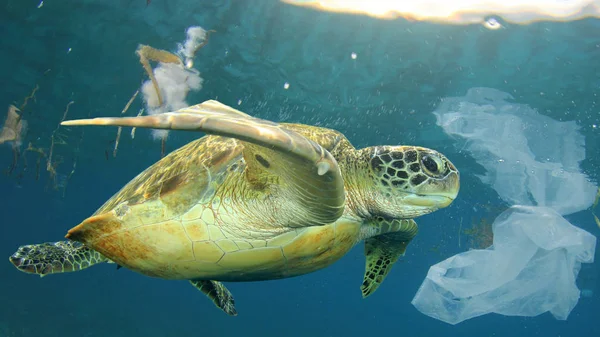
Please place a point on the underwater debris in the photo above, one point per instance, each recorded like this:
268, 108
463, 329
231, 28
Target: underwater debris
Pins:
13, 127
30, 96
147, 54
197, 38
471, 284
492, 113
133, 129
171, 80
41, 155
57, 181
481, 235
62, 183
12, 132
58, 139
120, 129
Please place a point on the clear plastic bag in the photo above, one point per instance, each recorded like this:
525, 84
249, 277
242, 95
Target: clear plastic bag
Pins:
531, 268
530, 159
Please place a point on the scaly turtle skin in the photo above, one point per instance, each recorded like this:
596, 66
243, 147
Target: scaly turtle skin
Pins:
254, 200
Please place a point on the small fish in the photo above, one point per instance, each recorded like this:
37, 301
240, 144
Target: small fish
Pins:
597, 198
597, 220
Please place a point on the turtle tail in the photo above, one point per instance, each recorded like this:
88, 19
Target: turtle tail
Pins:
55, 257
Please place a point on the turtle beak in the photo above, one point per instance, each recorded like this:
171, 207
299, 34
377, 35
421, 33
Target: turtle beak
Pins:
428, 201
450, 189
438, 194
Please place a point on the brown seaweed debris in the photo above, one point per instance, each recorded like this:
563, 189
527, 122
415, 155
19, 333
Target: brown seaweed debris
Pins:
147, 54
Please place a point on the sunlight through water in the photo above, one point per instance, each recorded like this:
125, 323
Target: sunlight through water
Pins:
463, 11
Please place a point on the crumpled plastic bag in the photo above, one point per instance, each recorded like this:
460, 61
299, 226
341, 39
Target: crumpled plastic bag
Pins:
530, 159
531, 268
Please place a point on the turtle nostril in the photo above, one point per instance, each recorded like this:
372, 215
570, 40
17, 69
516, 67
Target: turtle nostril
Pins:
15, 261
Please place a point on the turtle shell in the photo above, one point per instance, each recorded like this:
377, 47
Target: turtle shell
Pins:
226, 209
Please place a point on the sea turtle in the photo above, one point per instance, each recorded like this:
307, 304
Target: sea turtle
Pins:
254, 200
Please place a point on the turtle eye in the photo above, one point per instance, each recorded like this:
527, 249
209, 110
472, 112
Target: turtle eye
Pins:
432, 164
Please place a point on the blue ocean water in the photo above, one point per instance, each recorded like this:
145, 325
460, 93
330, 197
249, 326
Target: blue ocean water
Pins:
84, 52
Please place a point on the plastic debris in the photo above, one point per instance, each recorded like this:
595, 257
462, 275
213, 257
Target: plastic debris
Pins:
530, 269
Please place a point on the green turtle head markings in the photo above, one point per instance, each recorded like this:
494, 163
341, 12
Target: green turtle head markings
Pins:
253, 200
409, 181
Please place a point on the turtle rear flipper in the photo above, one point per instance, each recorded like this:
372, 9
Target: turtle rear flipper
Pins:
55, 257
218, 293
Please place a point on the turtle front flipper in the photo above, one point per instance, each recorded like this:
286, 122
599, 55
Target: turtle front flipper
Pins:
218, 293
301, 175
382, 251
55, 257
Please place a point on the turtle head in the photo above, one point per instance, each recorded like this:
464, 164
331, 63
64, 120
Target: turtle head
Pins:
408, 181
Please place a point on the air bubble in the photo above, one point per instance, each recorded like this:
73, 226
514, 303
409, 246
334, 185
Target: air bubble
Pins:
492, 24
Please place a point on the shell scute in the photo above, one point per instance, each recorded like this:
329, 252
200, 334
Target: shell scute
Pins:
207, 251
196, 230
227, 246
254, 259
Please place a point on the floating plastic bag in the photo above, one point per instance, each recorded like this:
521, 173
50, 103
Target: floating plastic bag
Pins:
530, 159
531, 268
